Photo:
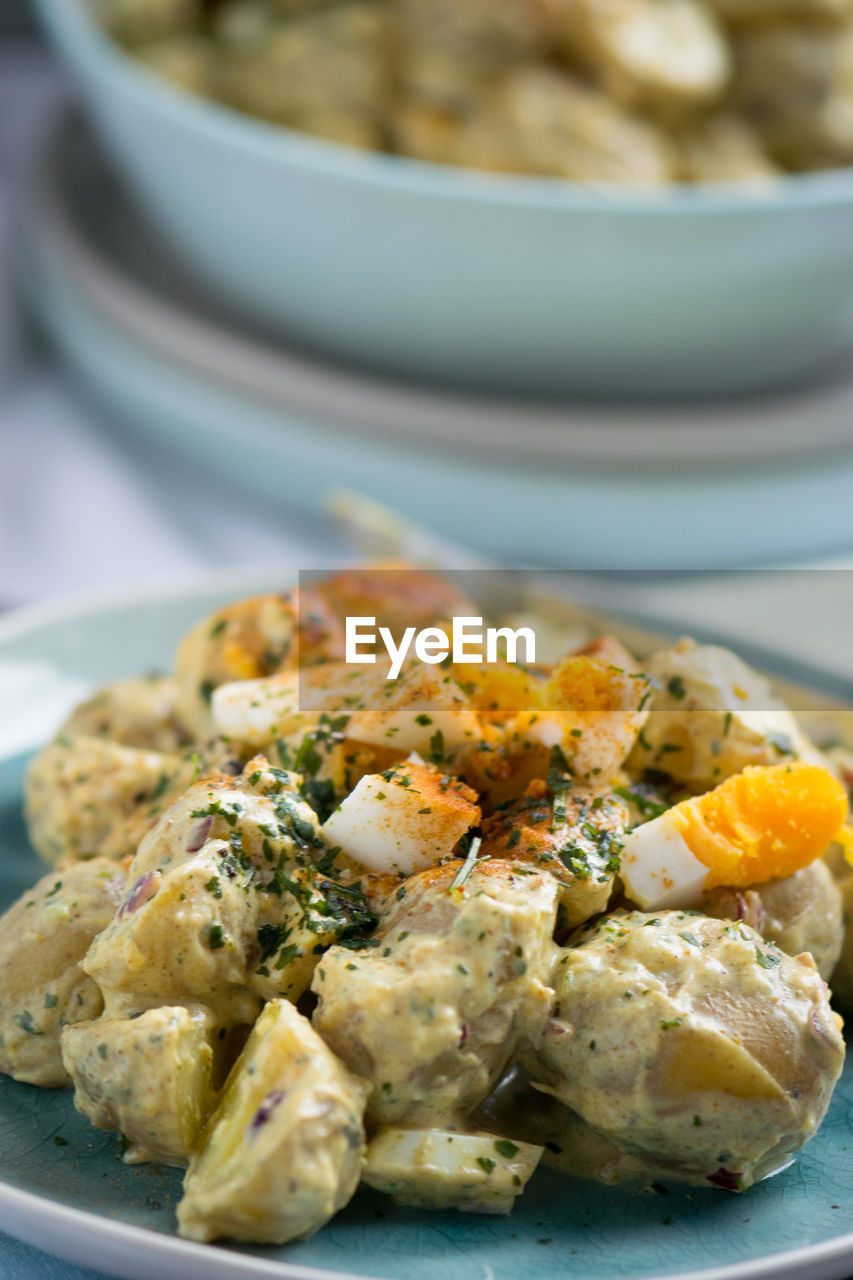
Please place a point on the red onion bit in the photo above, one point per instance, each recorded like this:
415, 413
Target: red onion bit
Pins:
728, 1179
817, 1028
266, 1109
142, 891
198, 834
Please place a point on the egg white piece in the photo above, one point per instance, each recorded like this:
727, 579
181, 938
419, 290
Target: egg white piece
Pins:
405, 826
658, 868
408, 713
444, 1169
256, 712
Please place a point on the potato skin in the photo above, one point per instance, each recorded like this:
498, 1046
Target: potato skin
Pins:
43, 939
712, 716
802, 912
841, 980
134, 713
432, 1014
148, 1077
285, 1148
88, 796
692, 1041
225, 904
248, 640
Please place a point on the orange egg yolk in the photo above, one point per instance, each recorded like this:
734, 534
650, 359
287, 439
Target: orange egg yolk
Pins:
762, 824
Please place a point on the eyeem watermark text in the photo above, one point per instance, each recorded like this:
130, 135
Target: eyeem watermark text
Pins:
468, 642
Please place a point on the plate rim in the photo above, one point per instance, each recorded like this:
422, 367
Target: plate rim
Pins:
223, 1263
25, 1214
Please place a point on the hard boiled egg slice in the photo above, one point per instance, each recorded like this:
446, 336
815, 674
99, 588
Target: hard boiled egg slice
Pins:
592, 710
404, 819
762, 824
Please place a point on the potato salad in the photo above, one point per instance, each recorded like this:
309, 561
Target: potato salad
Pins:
425, 923
639, 93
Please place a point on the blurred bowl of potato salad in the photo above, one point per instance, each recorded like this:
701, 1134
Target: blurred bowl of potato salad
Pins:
597, 197
311, 922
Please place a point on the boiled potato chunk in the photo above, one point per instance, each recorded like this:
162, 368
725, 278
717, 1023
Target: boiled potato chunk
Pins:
261, 814
244, 641
431, 1015
692, 1041
181, 938
148, 1077
659, 53
135, 713
189, 62
284, 1150
841, 980
135, 21
88, 797
325, 72
452, 49
43, 939
442, 1169
542, 120
723, 148
226, 905
794, 83
802, 912
766, 13
711, 716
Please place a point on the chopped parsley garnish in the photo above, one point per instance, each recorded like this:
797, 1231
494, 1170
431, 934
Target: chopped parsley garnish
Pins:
644, 803
467, 866
230, 811
288, 953
162, 784
25, 1022
561, 796
215, 938
270, 938
558, 769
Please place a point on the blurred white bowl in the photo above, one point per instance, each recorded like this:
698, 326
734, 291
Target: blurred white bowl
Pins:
481, 280
740, 484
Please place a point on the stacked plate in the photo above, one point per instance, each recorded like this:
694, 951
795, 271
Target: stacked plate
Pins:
677, 486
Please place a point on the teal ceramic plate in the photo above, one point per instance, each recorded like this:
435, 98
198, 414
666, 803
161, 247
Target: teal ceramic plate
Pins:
63, 1187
